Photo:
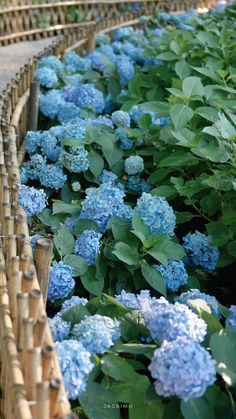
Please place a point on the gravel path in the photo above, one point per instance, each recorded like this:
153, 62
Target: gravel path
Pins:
14, 56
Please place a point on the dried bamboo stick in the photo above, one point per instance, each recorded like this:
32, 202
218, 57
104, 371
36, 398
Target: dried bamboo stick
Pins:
43, 257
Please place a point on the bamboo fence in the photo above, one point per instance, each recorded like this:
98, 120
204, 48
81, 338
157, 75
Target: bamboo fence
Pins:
30, 377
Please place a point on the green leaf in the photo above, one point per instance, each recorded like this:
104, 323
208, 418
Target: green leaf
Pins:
149, 407
223, 350
171, 249
219, 233
130, 390
75, 314
139, 228
60, 207
178, 159
232, 248
159, 256
48, 219
135, 348
126, 253
176, 92
78, 264
83, 224
166, 191
113, 156
180, 115
182, 69
97, 402
207, 112
197, 409
154, 278
208, 39
192, 87
183, 217
96, 163
64, 241
117, 367
167, 56
91, 283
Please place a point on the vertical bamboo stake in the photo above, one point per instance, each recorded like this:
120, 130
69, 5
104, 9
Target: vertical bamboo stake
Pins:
54, 395
33, 106
34, 301
90, 45
27, 281
47, 354
33, 373
39, 330
43, 257
43, 402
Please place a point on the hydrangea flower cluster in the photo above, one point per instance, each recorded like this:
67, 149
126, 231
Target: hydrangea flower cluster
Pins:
61, 282
196, 294
73, 62
232, 317
75, 366
103, 203
125, 69
130, 300
167, 321
51, 62
125, 142
134, 165
86, 96
136, 184
32, 200
136, 112
107, 176
97, 333
59, 328
182, 368
52, 177
76, 160
73, 301
87, 245
46, 77
174, 274
50, 103
156, 213
121, 119
198, 249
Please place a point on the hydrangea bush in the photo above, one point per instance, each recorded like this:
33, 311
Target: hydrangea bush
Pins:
133, 175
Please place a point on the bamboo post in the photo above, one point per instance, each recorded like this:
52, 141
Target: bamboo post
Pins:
33, 106
43, 257
43, 402
34, 301
91, 42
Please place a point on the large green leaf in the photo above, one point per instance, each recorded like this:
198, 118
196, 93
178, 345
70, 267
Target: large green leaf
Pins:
64, 241
182, 69
97, 402
91, 283
75, 314
139, 228
60, 207
150, 407
126, 253
180, 115
96, 163
78, 264
223, 350
154, 278
197, 409
117, 367
193, 88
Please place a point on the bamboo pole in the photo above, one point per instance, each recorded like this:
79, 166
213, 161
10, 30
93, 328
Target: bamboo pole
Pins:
33, 106
43, 257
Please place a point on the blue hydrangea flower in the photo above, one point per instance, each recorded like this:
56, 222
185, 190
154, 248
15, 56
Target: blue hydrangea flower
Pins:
125, 142
50, 146
97, 333
167, 321
72, 79
125, 69
153, 61
102, 39
50, 103
232, 317
32, 200
101, 60
67, 112
163, 122
130, 300
194, 294
108, 177
102, 120
136, 54
73, 301
157, 214
75, 366
182, 368
51, 62
76, 161
87, 245
123, 33
46, 77
159, 32
174, 274
75, 128
70, 223
121, 119
136, 184
103, 203
134, 165
136, 112
34, 167
117, 47
75, 186
52, 177
86, 96
109, 104
59, 328
73, 62
201, 254
32, 141
61, 282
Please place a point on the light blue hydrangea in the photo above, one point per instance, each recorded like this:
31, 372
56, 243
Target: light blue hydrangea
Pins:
61, 282
100, 61
102, 120
198, 249
76, 161
123, 33
74, 62
75, 186
232, 317
51, 62
121, 119
70, 223
33, 140
174, 274
136, 184
163, 122
134, 165
108, 177
52, 177
157, 214
103, 203
86, 96
72, 79
67, 112
135, 53
136, 112
182, 368
32, 200
125, 69
153, 61
34, 167
50, 103
159, 32
130, 300
167, 321
75, 366
73, 301
75, 128
109, 104
46, 77
59, 328
97, 333
102, 39
117, 47
125, 142
50, 147
194, 294
87, 245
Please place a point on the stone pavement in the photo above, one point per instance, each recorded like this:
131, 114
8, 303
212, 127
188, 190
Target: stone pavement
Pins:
14, 56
